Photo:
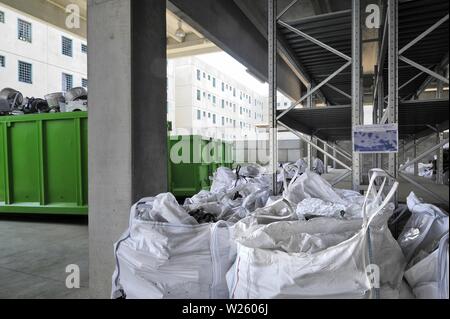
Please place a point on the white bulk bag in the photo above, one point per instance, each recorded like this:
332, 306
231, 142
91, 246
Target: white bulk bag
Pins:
310, 185
158, 260
429, 277
320, 258
423, 230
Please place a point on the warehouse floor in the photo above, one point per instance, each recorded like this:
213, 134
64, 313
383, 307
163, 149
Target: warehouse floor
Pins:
34, 253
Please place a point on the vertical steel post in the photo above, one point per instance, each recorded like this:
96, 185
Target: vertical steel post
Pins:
325, 158
440, 160
310, 150
416, 164
356, 88
334, 155
393, 76
272, 76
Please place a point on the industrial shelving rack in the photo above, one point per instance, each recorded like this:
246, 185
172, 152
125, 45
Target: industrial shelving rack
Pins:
413, 51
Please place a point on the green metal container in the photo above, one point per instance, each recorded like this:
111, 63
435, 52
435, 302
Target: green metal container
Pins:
43, 165
188, 173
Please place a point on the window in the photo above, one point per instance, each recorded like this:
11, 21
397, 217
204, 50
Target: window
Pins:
209, 115
214, 118
240, 110
204, 75
209, 97
234, 92
84, 83
214, 99
198, 75
204, 114
25, 72
209, 77
67, 46
223, 86
67, 82
223, 103
199, 115
24, 30
2, 61
83, 48
223, 121
2, 17
198, 95
214, 82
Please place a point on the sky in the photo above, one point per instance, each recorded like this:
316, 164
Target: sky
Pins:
231, 67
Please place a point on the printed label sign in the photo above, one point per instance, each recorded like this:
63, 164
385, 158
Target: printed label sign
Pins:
379, 138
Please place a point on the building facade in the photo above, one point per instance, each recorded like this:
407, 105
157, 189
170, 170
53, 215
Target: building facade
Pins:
37, 58
212, 104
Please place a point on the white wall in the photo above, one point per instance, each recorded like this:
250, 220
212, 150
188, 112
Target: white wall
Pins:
44, 53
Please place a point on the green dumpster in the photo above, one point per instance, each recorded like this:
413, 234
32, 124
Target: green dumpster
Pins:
44, 164
188, 172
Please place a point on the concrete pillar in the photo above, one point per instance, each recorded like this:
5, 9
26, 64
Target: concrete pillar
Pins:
127, 121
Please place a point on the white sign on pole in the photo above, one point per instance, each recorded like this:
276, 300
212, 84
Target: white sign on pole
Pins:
378, 138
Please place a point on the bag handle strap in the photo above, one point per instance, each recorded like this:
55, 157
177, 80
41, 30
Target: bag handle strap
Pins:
371, 191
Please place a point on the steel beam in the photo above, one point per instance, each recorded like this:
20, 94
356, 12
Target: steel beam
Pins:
315, 41
356, 88
286, 9
392, 108
272, 62
423, 34
339, 91
426, 153
311, 143
423, 188
340, 178
424, 69
313, 90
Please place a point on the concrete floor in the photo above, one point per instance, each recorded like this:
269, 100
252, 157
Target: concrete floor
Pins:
34, 254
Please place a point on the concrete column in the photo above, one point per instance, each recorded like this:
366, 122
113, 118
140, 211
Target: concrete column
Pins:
127, 121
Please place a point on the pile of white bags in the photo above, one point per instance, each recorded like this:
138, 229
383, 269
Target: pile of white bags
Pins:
424, 241
319, 258
312, 241
171, 258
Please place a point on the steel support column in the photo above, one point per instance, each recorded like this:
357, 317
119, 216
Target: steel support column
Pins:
392, 109
272, 76
356, 88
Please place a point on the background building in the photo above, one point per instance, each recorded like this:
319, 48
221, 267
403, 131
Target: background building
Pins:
37, 58
213, 104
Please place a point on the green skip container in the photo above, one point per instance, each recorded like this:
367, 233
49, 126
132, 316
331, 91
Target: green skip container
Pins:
43, 165
188, 173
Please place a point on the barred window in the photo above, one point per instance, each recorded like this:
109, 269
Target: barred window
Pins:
2, 17
67, 46
2, 61
25, 72
67, 82
84, 48
84, 83
24, 30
